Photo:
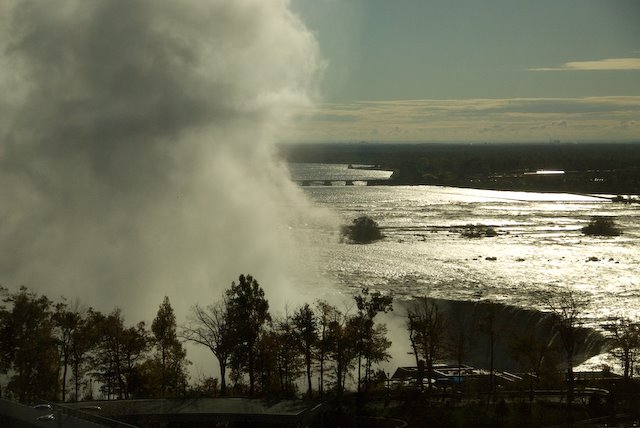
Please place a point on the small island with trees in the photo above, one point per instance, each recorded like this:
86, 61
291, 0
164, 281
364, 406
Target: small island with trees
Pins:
362, 230
478, 231
601, 226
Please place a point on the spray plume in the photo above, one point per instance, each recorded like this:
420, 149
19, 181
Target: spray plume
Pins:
136, 148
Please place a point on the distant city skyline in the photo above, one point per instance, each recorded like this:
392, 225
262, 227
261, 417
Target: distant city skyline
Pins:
497, 70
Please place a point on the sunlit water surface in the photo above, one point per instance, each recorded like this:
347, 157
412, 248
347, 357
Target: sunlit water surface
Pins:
540, 246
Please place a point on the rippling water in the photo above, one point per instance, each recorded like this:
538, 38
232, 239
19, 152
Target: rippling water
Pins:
540, 246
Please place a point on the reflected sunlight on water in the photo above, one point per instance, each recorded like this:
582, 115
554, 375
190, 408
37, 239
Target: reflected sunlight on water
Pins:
540, 246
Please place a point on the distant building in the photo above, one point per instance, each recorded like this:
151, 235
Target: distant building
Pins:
449, 374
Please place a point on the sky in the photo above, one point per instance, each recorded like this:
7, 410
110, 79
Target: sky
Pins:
495, 70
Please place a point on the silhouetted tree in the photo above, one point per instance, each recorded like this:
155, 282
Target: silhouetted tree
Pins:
362, 230
489, 327
211, 327
248, 312
532, 353
169, 351
28, 346
118, 354
376, 351
106, 359
5, 335
83, 339
624, 335
460, 335
427, 325
371, 344
270, 364
66, 322
413, 328
346, 340
135, 345
326, 314
567, 311
204, 386
601, 226
289, 358
341, 339
305, 325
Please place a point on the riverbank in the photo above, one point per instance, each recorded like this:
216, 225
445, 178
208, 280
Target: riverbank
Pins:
590, 183
603, 168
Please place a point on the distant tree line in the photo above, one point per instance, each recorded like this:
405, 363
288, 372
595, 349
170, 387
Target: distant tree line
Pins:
591, 168
487, 158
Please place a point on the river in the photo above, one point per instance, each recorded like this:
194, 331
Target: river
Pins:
539, 248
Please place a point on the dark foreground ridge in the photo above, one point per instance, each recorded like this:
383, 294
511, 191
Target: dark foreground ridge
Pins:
611, 168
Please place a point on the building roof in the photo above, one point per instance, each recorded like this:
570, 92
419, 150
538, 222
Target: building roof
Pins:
259, 411
440, 370
455, 372
185, 412
15, 414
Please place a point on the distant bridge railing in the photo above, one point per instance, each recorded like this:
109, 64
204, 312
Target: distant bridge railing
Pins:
343, 182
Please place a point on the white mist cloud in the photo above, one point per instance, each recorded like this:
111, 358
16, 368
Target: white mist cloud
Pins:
609, 64
136, 148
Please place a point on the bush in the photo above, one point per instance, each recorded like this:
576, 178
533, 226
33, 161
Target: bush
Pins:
478, 231
601, 226
362, 230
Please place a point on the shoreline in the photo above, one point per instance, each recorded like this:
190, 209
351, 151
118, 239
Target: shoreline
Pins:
499, 189
527, 181
629, 198
598, 168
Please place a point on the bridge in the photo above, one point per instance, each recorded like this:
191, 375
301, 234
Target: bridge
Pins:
316, 174
344, 182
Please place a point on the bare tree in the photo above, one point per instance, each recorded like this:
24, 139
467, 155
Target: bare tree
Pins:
342, 334
326, 314
427, 330
567, 310
489, 326
371, 344
460, 335
414, 336
532, 353
624, 335
210, 327
305, 323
